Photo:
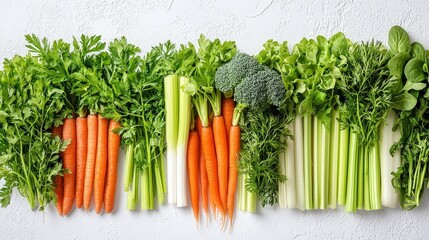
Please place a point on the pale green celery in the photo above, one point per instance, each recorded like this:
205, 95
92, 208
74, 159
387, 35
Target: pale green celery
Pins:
251, 202
290, 183
308, 163
132, 194
352, 173
366, 179
129, 166
420, 183
171, 95
145, 192
316, 161
342, 165
150, 186
410, 179
324, 144
282, 185
243, 193
360, 178
163, 173
182, 142
334, 160
159, 180
299, 163
375, 176
389, 163
239, 197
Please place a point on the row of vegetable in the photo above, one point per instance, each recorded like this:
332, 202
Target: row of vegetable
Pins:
329, 122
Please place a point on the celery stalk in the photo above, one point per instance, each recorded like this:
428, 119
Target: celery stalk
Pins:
159, 181
374, 176
308, 163
366, 181
145, 196
171, 95
360, 178
334, 160
132, 195
129, 165
182, 142
251, 202
243, 193
324, 145
290, 183
389, 163
316, 161
299, 163
352, 173
282, 185
342, 166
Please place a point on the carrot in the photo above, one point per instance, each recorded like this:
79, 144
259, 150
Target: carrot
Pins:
69, 159
90, 160
114, 142
81, 155
211, 166
193, 170
234, 150
228, 106
222, 157
58, 180
203, 173
100, 163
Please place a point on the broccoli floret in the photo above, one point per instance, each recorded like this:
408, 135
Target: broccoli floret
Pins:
261, 90
275, 87
252, 91
229, 75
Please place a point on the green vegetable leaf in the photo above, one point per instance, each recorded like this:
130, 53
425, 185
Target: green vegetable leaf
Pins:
414, 71
404, 102
418, 51
397, 63
399, 41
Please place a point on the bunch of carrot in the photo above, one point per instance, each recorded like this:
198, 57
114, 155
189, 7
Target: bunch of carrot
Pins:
212, 158
90, 162
91, 157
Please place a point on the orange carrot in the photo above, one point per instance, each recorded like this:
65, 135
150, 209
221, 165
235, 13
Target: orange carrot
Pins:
228, 106
234, 150
69, 159
221, 145
100, 163
211, 166
203, 173
90, 160
81, 155
58, 180
193, 170
114, 142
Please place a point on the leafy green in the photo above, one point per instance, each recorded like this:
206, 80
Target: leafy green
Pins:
414, 70
418, 51
29, 107
397, 64
320, 64
259, 157
368, 91
399, 41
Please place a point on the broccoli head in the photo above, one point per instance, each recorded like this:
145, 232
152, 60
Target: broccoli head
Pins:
229, 75
261, 90
275, 88
252, 91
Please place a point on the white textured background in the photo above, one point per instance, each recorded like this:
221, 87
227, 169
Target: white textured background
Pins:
250, 23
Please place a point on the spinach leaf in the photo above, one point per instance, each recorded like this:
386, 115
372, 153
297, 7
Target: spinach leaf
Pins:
414, 71
399, 41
